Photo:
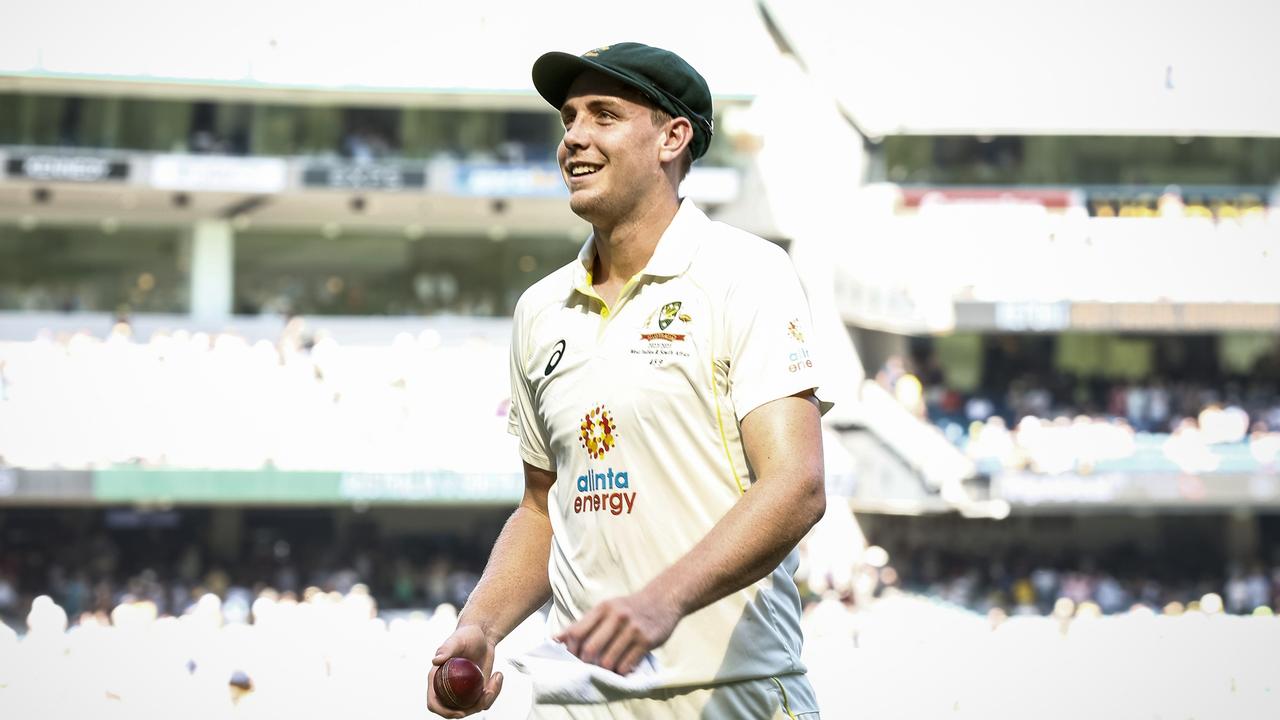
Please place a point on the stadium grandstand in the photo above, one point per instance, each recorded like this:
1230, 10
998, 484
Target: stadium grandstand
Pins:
257, 267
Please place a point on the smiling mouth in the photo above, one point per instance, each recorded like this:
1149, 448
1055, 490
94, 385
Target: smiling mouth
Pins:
580, 170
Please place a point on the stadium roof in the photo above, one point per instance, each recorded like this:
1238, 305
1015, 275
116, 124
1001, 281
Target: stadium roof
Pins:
1134, 67
392, 51
1140, 67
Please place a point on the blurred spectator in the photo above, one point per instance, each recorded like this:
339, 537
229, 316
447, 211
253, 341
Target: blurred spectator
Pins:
365, 145
8, 597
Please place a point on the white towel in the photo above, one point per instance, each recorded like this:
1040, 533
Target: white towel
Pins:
559, 677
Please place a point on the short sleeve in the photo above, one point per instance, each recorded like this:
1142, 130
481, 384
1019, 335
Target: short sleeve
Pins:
522, 420
771, 351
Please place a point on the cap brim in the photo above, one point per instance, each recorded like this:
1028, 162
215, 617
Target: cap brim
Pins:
554, 73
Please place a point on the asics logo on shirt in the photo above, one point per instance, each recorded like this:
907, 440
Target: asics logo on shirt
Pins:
555, 358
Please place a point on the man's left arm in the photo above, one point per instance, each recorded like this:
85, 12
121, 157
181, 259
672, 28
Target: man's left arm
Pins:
783, 443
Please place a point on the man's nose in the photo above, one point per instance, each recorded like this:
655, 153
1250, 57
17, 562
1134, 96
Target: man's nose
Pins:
575, 136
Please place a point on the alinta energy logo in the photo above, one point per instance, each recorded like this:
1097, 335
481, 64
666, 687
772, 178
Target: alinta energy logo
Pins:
799, 359
610, 490
597, 432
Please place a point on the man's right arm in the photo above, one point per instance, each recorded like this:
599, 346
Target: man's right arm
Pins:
513, 586
515, 583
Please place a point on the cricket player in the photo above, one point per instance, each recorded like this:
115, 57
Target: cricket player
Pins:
664, 397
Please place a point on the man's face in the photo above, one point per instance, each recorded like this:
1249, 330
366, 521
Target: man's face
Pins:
610, 153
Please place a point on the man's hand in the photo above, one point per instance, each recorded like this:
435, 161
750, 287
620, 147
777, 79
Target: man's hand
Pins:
513, 586
467, 641
618, 633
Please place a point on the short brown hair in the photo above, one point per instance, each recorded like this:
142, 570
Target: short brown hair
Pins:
661, 117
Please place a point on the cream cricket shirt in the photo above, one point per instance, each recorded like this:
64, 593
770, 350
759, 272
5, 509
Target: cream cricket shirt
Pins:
636, 408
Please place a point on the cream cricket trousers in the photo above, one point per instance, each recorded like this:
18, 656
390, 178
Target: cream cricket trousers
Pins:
787, 697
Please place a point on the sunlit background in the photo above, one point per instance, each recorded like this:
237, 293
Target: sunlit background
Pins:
257, 265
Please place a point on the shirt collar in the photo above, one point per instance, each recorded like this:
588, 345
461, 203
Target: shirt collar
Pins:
670, 258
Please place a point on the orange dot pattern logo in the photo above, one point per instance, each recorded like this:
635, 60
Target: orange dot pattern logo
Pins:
598, 432
793, 328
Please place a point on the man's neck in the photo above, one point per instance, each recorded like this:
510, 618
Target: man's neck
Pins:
624, 248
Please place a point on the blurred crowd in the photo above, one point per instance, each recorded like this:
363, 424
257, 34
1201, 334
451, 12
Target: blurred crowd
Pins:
896, 654
307, 402
89, 578
116, 624
1014, 582
1056, 424
1173, 203
999, 588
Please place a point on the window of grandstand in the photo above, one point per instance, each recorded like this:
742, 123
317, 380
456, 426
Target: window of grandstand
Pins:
370, 133
1077, 160
219, 129
239, 128
364, 273
110, 268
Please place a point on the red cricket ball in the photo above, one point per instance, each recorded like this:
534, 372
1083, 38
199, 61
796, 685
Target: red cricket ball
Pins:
459, 683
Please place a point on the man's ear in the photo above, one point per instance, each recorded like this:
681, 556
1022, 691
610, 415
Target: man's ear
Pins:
675, 138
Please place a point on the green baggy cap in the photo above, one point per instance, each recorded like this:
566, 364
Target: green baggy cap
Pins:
661, 75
